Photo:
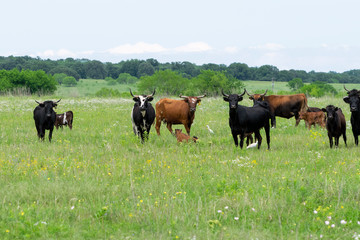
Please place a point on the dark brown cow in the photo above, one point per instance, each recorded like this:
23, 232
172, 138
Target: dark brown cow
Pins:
335, 124
64, 119
180, 136
172, 111
312, 118
285, 106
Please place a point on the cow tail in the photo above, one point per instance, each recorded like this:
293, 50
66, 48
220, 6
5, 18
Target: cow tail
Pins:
304, 107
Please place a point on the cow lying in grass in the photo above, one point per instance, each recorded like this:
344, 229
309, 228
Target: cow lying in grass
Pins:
180, 136
312, 118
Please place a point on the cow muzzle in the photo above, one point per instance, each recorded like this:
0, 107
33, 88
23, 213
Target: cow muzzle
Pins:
353, 109
192, 109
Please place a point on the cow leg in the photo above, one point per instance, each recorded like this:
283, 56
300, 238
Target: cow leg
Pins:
41, 133
273, 120
267, 132
344, 136
169, 126
249, 139
50, 133
242, 136
258, 136
297, 117
356, 138
187, 128
331, 140
157, 126
235, 137
337, 141
70, 125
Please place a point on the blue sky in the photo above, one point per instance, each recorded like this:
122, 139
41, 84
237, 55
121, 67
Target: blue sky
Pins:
306, 35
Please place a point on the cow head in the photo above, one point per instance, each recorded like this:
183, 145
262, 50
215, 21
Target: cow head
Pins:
330, 111
353, 99
233, 99
48, 105
192, 101
257, 97
143, 100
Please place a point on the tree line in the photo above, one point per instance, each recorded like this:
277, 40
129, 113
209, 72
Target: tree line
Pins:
93, 69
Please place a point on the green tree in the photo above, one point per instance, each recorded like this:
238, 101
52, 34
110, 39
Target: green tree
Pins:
295, 84
145, 69
69, 81
59, 77
125, 78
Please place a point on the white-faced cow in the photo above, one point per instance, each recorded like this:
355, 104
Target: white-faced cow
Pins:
285, 106
45, 117
335, 124
64, 119
244, 120
172, 111
353, 99
142, 115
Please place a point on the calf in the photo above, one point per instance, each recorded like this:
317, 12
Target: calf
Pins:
312, 118
244, 120
64, 119
44, 117
335, 124
142, 115
180, 136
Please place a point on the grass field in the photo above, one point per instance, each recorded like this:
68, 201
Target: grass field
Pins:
99, 182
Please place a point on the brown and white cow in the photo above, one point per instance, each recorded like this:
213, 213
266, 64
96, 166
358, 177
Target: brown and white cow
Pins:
171, 111
312, 118
285, 106
64, 119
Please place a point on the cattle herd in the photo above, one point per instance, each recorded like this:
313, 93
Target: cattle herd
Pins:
243, 121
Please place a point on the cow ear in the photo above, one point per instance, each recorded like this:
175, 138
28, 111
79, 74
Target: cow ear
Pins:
240, 99
251, 98
226, 99
323, 109
54, 105
150, 98
336, 109
346, 99
135, 99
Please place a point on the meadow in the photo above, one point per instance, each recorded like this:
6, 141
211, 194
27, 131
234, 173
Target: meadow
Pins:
98, 181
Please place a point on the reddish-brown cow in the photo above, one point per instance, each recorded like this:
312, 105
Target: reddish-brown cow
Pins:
172, 111
64, 119
285, 106
180, 136
312, 118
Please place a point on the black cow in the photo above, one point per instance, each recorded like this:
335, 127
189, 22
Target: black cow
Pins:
244, 120
45, 118
142, 115
335, 124
353, 99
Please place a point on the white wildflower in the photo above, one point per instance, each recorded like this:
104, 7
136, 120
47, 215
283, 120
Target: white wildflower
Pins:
327, 222
315, 211
343, 222
72, 207
236, 218
332, 225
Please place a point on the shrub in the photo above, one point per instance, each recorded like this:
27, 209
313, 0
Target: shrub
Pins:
69, 82
318, 89
107, 92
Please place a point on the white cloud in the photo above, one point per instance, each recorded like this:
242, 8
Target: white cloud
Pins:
268, 47
138, 48
194, 47
231, 49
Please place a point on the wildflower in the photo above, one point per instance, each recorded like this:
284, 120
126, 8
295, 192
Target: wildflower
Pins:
343, 222
358, 222
332, 225
7, 230
315, 211
329, 217
236, 218
327, 222
72, 207
226, 207
219, 211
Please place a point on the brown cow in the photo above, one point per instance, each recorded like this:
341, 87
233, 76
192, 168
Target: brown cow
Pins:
172, 111
285, 106
64, 119
312, 118
180, 136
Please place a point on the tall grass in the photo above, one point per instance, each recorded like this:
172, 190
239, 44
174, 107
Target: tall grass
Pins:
98, 181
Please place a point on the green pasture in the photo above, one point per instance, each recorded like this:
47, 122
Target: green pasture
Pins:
98, 181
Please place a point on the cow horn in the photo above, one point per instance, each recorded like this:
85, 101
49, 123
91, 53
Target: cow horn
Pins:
247, 93
242, 94
58, 100
152, 93
183, 96
38, 102
132, 93
346, 89
264, 93
201, 96
225, 95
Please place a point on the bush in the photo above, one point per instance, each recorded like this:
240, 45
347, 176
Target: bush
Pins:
69, 82
318, 89
107, 92
125, 78
295, 84
112, 82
